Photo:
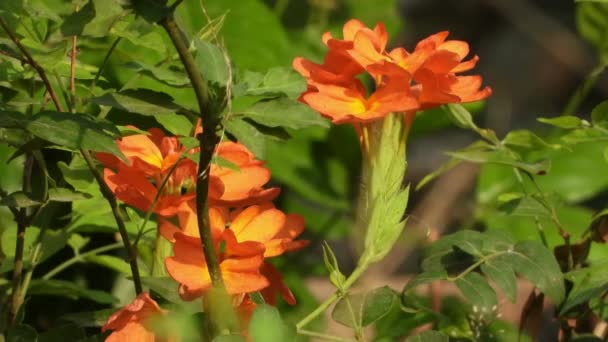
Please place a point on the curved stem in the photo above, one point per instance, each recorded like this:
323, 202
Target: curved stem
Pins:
79, 257
333, 298
105, 61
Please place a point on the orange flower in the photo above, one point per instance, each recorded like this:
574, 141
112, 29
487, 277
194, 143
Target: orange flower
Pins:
132, 323
405, 82
268, 226
150, 158
241, 273
343, 105
255, 233
245, 185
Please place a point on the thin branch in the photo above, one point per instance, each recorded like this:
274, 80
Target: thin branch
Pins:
122, 229
30, 60
79, 257
105, 61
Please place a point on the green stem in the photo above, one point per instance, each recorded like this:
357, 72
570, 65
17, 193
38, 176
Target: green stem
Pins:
22, 223
583, 90
208, 141
122, 228
333, 298
80, 257
323, 336
105, 61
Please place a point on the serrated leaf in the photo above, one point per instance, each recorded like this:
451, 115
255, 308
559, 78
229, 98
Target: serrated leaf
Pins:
502, 275
283, 112
140, 101
74, 131
478, 292
536, 263
565, 121
367, 307
53, 287
275, 81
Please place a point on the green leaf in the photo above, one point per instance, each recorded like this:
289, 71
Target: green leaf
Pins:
53, 287
599, 114
253, 34
164, 286
176, 124
66, 195
501, 273
9, 119
428, 336
283, 112
592, 23
461, 117
248, 135
565, 121
111, 262
77, 242
526, 139
211, 62
22, 333
536, 263
266, 325
588, 282
478, 292
275, 81
89, 318
19, 199
140, 101
94, 19
75, 131
367, 307
527, 206
331, 263
501, 157
52, 242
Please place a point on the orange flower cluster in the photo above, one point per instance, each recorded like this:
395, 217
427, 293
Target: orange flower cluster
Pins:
405, 81
154, 158
246, 227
